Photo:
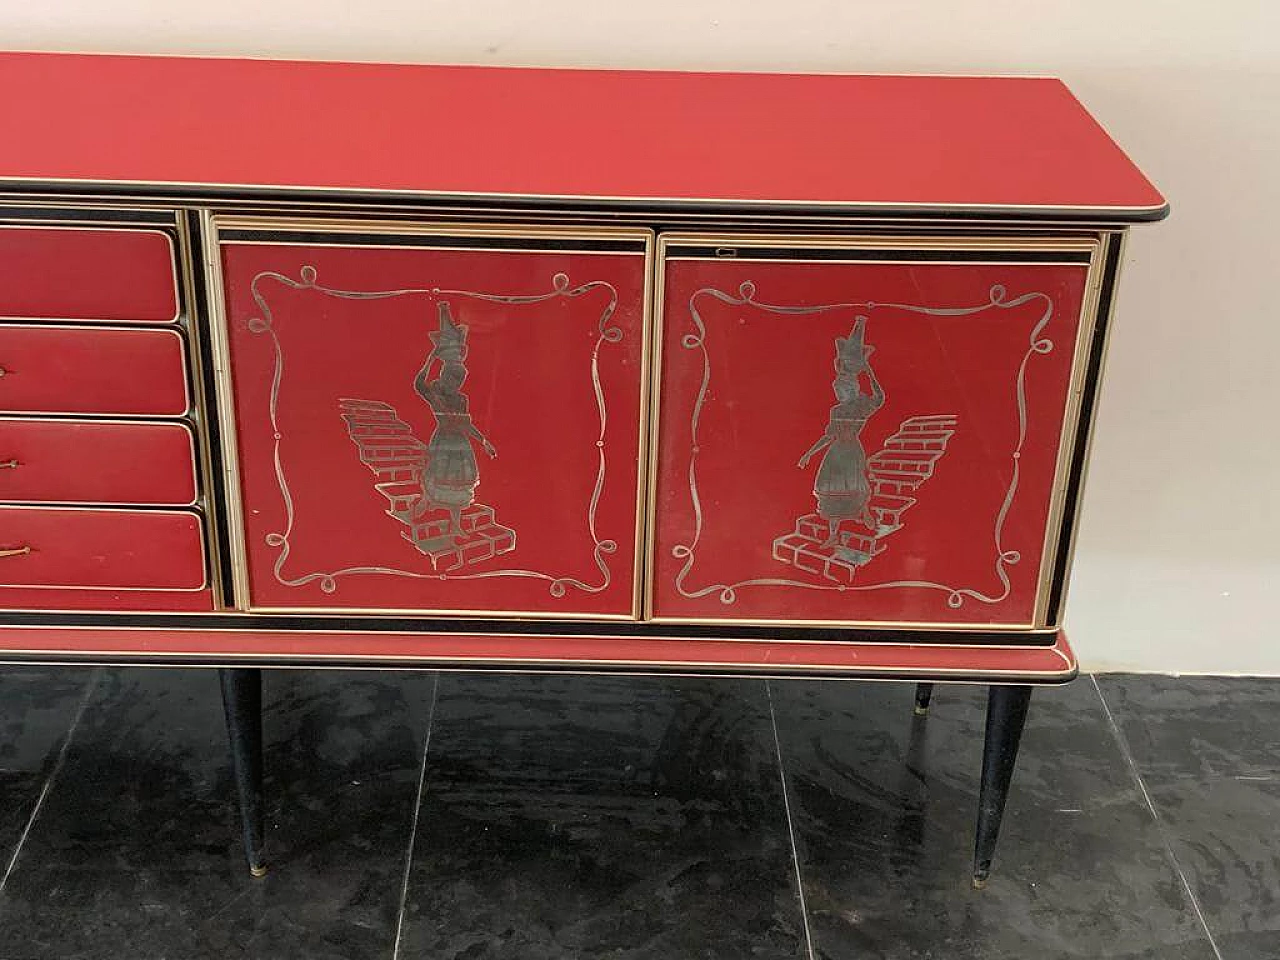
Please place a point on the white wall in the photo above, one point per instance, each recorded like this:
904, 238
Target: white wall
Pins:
1181, 537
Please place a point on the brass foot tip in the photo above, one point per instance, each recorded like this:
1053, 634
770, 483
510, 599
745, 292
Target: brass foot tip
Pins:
921, 711
258, 872
979, 883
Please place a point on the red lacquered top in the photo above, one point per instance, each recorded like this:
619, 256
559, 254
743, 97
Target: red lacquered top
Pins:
886, 144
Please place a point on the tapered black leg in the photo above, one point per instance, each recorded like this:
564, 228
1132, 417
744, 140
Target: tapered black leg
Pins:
1006, 716
242, 703
924, 693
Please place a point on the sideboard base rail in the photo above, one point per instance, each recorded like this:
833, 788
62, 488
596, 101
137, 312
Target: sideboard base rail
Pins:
836, 659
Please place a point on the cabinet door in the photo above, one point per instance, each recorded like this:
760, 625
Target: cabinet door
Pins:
434, 419
865, 432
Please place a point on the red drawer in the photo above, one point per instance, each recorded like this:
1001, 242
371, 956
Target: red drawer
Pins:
118, 600
74, 369
74, 273
101, 549
96, 461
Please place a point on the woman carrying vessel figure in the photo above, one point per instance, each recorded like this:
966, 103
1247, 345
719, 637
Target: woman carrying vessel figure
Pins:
842, 487
451, 475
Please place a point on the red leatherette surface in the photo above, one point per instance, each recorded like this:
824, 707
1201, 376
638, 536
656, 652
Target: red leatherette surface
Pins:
106, 600
96, 461
65, 273
743, 138
100, 370
99, 548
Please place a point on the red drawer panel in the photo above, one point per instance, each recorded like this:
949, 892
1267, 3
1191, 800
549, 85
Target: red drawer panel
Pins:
96, 461
120, 600
78, 369
101, 549
72, 273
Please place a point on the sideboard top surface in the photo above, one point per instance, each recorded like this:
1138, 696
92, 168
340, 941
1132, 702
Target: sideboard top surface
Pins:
884, 145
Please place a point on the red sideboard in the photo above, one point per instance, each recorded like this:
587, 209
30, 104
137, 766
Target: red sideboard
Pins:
548, 369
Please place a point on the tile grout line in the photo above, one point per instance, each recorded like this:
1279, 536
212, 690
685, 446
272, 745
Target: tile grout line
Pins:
1163, 831
791, 830
417, 810
53, 774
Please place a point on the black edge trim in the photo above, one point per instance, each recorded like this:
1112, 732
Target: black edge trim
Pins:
515, 666
1088, 402
197, 193
729, 252
89, 215
534, 628
390, 239
217, 514
1151, 216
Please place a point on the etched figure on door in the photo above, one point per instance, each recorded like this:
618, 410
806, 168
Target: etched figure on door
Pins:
860, 500
842, 488
431, 487
451, 476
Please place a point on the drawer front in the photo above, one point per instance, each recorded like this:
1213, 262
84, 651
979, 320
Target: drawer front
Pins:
863, 432
96, 461
72, 273
101, 370
101, 549
426, 425
106, 600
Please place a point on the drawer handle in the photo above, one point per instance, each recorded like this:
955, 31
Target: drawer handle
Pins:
3, 371
9, 464
16, 552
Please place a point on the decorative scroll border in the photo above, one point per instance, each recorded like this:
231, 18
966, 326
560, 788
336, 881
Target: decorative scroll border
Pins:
997, 298
560, 288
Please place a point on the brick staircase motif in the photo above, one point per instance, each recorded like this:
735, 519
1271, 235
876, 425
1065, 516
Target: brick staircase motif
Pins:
895, 472
397, 459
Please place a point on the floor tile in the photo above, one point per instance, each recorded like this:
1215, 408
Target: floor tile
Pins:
593, 817
37, 707
590, 817
1225, 833
884, 807
1198, 726
136, 852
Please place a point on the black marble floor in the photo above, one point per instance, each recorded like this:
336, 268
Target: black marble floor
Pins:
503, 816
